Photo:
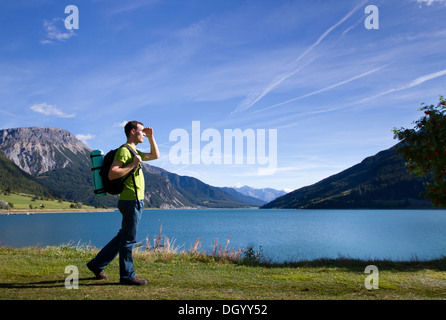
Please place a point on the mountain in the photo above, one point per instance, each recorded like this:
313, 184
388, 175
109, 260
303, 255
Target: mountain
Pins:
184, 191
37, 150
378, 182
56, 159
61, 163
264, 194
13, 179
254, 201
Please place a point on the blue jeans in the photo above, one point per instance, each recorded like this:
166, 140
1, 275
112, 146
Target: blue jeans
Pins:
124, 242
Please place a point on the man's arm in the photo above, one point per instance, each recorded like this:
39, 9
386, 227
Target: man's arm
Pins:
154, 152
117, 169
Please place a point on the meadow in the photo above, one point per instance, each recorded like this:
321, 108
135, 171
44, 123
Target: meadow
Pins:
39, 274
22, 203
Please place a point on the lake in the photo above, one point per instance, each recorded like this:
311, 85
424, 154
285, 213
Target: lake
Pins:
282, 234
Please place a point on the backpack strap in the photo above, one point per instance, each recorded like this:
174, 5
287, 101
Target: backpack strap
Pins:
134, 153
132, 173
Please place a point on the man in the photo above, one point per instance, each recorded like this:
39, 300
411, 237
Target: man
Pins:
131, 203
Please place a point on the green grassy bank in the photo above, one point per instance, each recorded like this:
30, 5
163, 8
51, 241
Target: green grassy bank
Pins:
39, 273
22, 203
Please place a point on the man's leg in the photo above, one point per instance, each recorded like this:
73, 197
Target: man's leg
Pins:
104, 257
131, 215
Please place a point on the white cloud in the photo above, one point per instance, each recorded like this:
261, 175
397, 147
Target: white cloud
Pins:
50, 110
429, 2
132, 6
85, 137
121, 124
53, 31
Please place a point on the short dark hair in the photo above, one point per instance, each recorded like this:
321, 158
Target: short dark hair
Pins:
131, 125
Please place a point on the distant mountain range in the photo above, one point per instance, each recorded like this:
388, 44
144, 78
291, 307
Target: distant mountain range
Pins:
52, 162
378, 182
264, 194
55, 162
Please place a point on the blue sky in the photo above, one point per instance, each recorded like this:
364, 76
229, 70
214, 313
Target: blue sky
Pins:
332, 89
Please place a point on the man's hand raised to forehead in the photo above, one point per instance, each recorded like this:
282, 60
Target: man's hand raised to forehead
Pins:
148, 132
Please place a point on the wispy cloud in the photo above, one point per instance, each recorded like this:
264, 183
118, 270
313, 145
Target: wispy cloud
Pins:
411, 84
429, 2
296, 66
132, 5
289, 120
54, 31
323, 89
50, 110
85, 137
427, 77
120, 124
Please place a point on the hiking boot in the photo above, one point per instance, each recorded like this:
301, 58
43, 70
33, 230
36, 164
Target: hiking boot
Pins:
133, 282
99, 274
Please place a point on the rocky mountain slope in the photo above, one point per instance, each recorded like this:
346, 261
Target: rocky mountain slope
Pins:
37, 150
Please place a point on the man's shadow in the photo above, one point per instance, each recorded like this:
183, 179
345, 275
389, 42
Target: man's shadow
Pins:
55, 284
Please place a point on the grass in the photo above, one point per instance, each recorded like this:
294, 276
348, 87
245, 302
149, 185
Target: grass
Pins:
23, 202
39, 273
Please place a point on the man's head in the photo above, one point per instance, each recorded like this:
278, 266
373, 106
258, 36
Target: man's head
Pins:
130, 126
134, 129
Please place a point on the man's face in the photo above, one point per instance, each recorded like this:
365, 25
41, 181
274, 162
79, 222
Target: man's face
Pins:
140, 134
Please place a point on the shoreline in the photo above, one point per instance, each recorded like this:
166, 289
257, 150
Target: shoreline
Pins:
37, 211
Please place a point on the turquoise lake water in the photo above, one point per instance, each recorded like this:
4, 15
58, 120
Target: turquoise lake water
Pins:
282, 234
